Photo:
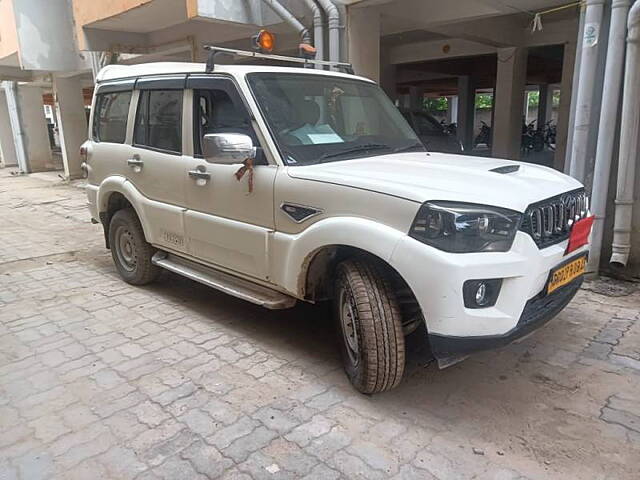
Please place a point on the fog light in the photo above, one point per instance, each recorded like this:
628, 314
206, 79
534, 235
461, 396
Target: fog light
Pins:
481, 293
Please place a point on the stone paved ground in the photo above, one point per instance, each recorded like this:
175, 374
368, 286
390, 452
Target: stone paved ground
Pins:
99, 379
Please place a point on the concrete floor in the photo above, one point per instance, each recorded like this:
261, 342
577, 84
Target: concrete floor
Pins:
99, 379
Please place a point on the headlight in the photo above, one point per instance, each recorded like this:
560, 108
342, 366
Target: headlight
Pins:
465, 227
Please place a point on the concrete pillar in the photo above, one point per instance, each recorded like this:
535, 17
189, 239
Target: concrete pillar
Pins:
466, 111
525, 106
416, 98
363, 39
7, 145
72, 122
564, 109
509, 102
388, 75
584, 123
545, 105
452, 109
34, 129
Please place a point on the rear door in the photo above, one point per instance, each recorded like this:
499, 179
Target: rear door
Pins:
110, 138
156, 165
226, 224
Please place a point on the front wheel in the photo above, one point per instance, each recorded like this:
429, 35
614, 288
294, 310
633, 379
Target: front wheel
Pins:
370, 326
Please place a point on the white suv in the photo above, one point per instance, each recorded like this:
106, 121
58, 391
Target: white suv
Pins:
278, 184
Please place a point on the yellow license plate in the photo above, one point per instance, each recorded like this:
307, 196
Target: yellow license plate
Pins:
567, 273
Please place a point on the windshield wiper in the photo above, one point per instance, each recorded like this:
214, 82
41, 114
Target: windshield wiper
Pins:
358, 148
410, 147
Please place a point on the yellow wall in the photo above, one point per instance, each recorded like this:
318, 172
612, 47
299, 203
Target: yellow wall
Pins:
88, 11
8, 33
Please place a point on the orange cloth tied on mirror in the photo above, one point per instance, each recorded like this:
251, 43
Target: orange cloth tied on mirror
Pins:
247, 166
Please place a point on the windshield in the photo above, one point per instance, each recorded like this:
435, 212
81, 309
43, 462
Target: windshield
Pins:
321, 118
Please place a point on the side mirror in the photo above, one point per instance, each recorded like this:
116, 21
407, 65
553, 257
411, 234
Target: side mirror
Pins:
227, 148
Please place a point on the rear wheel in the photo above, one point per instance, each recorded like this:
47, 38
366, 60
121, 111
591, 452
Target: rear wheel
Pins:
370, 326
130, 251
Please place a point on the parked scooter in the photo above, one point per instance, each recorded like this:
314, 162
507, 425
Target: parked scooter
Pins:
484, 136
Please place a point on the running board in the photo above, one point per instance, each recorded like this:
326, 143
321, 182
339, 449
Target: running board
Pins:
244, 289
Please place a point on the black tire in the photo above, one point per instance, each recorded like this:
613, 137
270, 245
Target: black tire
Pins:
364, 295
130, 251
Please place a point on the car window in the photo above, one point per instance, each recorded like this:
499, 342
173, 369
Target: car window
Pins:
110, 120
318, 118
159, 120
216, 112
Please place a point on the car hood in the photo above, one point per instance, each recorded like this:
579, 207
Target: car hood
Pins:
422, 177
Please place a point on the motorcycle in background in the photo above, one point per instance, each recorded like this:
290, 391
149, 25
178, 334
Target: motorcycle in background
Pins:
484, 136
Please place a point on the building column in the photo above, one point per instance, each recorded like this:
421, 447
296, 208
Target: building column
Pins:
545, 105
452, 109
416, 98
509, 101
7, 145
72, 122
34, 129
564, 109
363, 39
466, 111
388, 74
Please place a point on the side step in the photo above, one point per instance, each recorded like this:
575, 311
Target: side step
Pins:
244, 289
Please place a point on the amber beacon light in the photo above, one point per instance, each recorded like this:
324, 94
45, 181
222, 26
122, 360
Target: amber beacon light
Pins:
264, 41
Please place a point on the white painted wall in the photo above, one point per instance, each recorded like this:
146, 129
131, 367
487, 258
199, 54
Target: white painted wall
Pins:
363, 42
45, 35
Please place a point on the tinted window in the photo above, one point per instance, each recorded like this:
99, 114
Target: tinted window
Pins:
216, 112
159, 120
110, 118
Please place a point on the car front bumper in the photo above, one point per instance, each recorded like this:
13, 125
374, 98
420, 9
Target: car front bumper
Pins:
537, 311
437, 278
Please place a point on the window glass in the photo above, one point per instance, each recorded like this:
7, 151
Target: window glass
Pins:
110, 122
159, 120
317, 118
142, 114
218, 113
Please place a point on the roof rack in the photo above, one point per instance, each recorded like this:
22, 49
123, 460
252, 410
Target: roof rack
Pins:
213, 50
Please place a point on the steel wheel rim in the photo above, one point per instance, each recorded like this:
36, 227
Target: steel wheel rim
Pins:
125, 249
348, 325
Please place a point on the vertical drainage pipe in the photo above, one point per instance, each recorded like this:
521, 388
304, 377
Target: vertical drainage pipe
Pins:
333, 16
608, 122
318, 30
588, 70
629, 133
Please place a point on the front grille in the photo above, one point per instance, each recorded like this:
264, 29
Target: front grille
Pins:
549, 221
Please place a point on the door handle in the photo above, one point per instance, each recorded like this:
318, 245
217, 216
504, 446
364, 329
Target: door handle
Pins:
200, 174
135, 163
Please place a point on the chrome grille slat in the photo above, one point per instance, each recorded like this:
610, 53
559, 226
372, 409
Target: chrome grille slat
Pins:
549, 222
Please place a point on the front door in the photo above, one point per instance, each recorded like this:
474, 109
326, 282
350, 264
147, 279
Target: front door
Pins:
226, 224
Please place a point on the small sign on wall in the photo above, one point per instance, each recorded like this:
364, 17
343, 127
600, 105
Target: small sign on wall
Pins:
591, 34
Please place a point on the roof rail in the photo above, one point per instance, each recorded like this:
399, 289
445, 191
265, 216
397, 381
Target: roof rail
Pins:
213, 50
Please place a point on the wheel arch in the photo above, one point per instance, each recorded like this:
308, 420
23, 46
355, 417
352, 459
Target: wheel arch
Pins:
116, 193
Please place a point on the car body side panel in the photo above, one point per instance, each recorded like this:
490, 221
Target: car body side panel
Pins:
160, 221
